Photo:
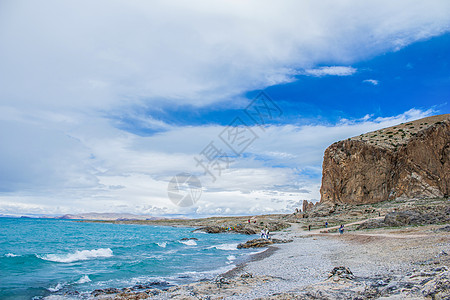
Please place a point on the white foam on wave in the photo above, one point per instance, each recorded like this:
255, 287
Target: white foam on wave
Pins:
60, 297
231, 258
208, 274
11, 255
56, 288
162, 245
256, 252
78, 255
83, 279
226, 247
189, 242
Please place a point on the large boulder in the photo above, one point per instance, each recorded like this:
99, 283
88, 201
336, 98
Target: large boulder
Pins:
260, 243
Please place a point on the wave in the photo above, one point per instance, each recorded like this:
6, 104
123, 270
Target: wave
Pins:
11, 255
259, 251
189, 242
78, 255
198, 275
226, 247
56, 288
231, 258
83, 279
162, 245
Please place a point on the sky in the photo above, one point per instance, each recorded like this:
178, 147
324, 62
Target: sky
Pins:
103, 102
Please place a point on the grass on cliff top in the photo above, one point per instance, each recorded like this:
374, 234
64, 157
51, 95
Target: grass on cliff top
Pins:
398, 135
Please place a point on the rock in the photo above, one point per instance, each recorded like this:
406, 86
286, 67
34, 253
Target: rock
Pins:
187, 239
106, 291
442, 253
402, 218
211, 229
307, 206
339, 273
421, 215
438, 287
322, 210
259, 243
248, 229
371, 224
444, 229
405, 161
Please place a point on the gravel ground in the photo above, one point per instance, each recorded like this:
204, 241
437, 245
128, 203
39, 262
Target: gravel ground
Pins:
390, 257
309, 259
305, 261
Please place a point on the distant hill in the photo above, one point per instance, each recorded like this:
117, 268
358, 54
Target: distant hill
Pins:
410, 160
108, 216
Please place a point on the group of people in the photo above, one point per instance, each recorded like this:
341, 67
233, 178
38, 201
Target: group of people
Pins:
341, 228
265, 234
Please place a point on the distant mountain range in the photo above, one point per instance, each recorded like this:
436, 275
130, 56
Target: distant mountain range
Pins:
89, 216
108, 216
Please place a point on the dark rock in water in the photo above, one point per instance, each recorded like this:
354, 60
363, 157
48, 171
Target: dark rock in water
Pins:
71, 293
150, 285
106, 291
259, 243
187, 239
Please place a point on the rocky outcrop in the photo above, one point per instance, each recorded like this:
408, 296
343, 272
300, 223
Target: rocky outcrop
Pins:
260, 243
422, 215
405, 161
307, 206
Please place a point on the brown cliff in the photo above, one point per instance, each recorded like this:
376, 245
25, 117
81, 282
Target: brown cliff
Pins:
405, 161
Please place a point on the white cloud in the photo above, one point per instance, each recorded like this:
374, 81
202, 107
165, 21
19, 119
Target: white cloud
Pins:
105, 54
100, 168
371, 81
333, 71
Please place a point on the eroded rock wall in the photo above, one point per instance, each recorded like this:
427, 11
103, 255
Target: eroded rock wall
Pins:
359, 170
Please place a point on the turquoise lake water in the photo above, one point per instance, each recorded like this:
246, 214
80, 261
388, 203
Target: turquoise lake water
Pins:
44, 257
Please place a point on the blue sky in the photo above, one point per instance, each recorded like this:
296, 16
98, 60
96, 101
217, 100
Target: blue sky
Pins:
101, 104
385, 85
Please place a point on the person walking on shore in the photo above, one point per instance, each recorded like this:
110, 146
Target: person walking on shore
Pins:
263, 233
341, 229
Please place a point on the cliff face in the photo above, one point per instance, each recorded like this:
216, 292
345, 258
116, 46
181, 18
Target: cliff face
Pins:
408, 160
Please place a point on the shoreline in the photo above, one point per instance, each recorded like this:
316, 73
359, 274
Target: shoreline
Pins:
252, 258
373, 264
407, 262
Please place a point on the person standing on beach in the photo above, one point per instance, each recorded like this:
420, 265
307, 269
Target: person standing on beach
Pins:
326, 224
262, 233
309, 227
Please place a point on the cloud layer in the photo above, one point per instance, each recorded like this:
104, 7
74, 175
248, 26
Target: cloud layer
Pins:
105, 54
67, 69
100, 168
